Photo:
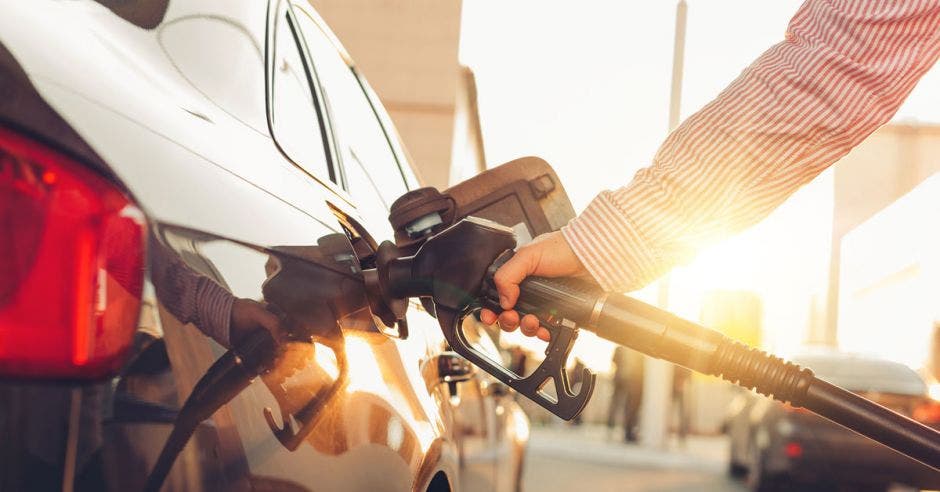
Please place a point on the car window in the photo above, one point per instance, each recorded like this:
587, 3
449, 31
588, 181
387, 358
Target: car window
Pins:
295, 118
193, 45
372, 175
394, 138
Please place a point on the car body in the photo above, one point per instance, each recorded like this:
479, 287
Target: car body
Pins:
252, 158
773, 443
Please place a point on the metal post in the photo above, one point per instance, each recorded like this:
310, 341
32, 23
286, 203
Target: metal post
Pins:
657, 382
678, 62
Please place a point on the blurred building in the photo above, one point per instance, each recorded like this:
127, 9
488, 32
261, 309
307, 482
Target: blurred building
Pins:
890, 276
468, 157
407, 49
737, 314
886, 166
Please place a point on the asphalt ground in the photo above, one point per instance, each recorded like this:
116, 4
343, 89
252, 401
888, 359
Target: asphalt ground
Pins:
567, 458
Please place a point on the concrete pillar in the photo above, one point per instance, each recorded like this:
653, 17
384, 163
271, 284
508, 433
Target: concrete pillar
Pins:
656, 410
657, 380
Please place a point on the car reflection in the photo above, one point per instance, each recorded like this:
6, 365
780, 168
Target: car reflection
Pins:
318, 293
337, 385
307, 293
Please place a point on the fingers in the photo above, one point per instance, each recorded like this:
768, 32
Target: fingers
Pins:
509, 275
508, 320
529, 325
548, 255
248, 315
258, 315
543, 334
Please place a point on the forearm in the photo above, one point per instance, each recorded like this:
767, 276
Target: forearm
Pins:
840, 73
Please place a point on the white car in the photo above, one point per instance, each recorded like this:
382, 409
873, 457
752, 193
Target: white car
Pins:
172, 174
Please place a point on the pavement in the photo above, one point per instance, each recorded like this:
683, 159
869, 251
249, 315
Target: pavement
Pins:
565, 458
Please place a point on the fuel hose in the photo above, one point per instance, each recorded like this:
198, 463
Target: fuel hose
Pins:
658, 333
225, 379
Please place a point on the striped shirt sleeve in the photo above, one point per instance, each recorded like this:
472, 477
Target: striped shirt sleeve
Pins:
189, 296
842, 71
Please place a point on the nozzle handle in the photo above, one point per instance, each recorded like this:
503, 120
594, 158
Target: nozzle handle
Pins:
661, 334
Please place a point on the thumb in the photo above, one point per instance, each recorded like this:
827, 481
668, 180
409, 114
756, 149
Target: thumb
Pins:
509, 276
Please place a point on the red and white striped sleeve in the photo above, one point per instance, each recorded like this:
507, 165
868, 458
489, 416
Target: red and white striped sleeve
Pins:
842, 71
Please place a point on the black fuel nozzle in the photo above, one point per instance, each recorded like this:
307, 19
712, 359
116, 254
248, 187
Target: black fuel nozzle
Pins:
451, 269
658, 333
455, 269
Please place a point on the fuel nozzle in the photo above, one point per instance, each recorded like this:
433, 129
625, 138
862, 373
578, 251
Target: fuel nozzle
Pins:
449, 269
455, 268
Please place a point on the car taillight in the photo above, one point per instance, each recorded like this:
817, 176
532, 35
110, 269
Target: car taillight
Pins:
71, 266
793, 450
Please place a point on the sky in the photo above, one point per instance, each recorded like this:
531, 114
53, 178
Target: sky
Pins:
585, 85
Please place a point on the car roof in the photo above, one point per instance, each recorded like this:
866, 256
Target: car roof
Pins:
864, 374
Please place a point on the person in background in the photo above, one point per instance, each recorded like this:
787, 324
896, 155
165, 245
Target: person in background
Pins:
518, 360
681, 377
627, 392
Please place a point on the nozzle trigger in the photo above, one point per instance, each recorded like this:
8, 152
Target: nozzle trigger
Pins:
566, 404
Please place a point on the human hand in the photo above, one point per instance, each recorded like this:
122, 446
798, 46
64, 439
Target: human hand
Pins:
548, 255
248, 315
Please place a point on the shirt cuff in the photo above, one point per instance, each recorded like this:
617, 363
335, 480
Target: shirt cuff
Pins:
214, 309
610, 247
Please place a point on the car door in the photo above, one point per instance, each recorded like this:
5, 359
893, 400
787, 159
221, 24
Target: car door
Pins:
373, 175
476, 420
492, 427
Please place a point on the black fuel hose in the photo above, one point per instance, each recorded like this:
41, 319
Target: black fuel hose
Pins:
225, 379
658, 333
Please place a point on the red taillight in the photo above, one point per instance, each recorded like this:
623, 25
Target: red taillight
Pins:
793, 450
71, 266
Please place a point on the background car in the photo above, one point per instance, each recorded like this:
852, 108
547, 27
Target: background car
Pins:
171, 175
775, 444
